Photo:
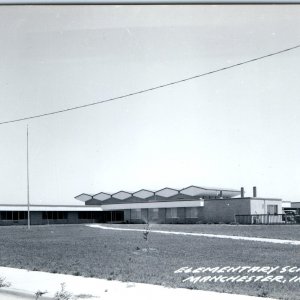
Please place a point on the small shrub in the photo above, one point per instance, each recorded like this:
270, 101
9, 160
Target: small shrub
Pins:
39, 294
263, 293
191, 287
4, 283
63, 294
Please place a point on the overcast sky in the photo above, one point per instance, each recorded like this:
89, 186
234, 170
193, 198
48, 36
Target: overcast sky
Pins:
240, 127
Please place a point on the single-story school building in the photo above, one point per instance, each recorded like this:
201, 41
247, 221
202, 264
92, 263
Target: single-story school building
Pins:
192, 204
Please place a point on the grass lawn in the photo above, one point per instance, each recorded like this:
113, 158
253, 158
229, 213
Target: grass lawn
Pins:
121, 255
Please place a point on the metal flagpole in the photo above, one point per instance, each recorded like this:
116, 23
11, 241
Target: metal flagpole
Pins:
28, 203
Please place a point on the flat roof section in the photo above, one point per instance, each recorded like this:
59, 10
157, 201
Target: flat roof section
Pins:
34, 207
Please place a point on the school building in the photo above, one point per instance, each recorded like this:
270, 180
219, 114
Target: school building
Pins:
193, 204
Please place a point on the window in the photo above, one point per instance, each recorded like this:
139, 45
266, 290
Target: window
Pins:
171, 213
87, 215
83, 215
272, 209
9, 215
136, 214
23, 215
191, 212
13, 215
3, 215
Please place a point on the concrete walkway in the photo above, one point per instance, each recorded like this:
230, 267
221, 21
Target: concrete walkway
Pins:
209, 235
24, 285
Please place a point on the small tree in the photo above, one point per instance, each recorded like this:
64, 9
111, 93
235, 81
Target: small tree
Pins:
146, 235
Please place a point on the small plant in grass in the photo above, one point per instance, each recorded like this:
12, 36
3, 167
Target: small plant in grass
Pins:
4, 283
146, 235
63, 294
39, 294
191, 287
263, 294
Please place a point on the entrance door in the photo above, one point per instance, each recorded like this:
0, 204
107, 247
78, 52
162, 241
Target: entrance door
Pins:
114, 216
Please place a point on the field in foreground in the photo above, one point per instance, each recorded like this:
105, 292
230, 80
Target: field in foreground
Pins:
122, 255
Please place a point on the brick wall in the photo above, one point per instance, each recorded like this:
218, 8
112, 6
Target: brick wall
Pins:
223, 210
127, 215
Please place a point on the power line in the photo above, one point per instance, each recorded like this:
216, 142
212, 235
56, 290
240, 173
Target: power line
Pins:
152, 88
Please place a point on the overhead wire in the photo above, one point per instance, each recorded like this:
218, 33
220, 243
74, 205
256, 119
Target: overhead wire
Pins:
117, 98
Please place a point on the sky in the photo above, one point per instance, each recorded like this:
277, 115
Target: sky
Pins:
235, 128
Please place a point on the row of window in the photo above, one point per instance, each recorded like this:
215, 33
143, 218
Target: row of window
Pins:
84, 215
13, 215
171, 213
55, 215
59, 215
46, 215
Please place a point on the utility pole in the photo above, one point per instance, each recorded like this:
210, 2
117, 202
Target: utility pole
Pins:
28, 202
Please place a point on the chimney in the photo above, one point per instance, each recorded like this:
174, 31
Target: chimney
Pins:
254, 192
242, 192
